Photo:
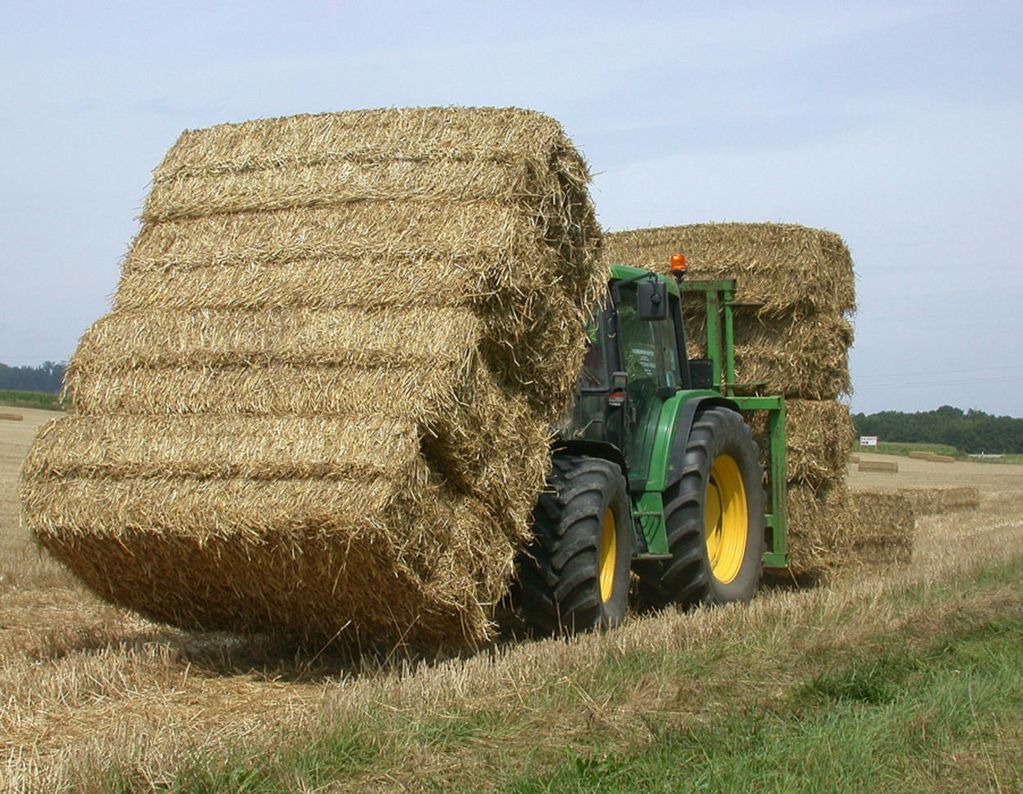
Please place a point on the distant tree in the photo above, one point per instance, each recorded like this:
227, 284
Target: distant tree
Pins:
47, 377
969, 431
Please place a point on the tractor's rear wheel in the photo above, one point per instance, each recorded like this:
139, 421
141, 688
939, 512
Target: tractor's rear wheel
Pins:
574, 575
714, 516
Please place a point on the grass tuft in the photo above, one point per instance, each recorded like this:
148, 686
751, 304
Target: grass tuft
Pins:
873, 682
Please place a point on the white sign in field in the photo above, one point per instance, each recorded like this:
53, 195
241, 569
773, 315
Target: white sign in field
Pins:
868, 441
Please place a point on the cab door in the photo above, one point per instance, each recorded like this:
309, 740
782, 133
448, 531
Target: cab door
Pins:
651, 358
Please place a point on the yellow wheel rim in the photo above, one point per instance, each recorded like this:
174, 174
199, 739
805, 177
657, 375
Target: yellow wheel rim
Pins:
727, 519
608, 556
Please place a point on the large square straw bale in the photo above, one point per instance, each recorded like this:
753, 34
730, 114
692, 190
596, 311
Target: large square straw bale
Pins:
799, 354
819, 440
831, 528
818, 518
779, 266
935, 501
883, 528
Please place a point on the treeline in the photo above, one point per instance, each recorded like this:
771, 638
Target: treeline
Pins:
969, 431
46, 377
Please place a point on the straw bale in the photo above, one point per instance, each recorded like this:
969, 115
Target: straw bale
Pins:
799, 354
917, 455
242, 498
854, 458
333, 183
199, 508
322, 400
225, 447
358, 338
299, 283
393, 233
413, 134
528, 295
819, 435
818, 518
932, 501
264, 389
778, 266
882, 529
878, 465
494, 449
186, 552
11, 417
940, 458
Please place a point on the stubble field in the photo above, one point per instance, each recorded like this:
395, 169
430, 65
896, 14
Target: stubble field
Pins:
92, 697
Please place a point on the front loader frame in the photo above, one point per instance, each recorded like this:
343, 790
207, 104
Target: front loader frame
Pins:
719, 301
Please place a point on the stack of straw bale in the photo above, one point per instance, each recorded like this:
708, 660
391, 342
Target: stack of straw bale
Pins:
795, 295
321, 401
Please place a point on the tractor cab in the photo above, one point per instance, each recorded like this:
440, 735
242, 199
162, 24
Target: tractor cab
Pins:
635, 361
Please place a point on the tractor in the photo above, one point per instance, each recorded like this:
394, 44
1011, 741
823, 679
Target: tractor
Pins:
656, 485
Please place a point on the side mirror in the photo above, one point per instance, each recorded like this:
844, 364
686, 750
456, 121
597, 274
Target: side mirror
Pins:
652, 300
701, 373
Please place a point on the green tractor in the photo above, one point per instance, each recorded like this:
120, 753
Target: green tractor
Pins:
655, 471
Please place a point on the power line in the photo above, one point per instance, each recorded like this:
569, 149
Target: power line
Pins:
935, 372
915, 384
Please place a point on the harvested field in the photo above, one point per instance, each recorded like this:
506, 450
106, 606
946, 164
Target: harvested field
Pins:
927, 474
92, 691
349, 335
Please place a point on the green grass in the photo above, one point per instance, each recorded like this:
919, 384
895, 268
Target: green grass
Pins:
339, 752
905, 447
31, 399
932, 702
944, 718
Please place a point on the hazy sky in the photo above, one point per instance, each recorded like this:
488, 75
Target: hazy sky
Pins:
898, 125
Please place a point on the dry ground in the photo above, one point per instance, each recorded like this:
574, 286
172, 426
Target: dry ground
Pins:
83, 684
913, 473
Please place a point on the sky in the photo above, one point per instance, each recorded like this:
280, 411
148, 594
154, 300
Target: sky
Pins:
898, 125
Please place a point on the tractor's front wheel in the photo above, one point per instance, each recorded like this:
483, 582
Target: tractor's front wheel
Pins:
714, 516
574, 575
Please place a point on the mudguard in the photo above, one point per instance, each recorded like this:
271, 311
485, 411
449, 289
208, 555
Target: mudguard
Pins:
680, 434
